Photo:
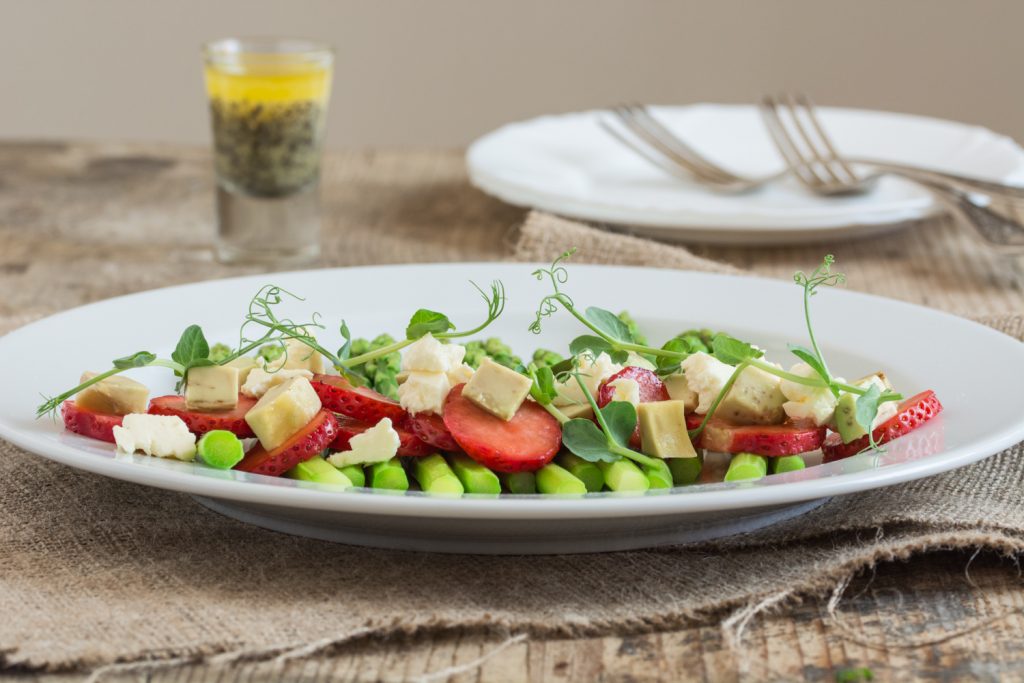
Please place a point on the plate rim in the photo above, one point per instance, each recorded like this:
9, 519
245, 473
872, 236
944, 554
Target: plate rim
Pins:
683, 500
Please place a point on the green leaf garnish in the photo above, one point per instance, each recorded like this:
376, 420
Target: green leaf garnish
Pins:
543, 390
192, 348
426, 321
585, 439
620, 419
136, 360
346, 349
609, 323
809, 357
732, 351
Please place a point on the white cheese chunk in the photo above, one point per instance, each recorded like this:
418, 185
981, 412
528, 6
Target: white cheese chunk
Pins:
626, 389
212, 387
679, 390
424, 392
260, 381
377, 444
283, 411
427, 354
706, 376
460, 374
593, 371
163, 436
803, 402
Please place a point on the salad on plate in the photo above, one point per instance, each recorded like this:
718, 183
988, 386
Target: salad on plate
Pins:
445, 412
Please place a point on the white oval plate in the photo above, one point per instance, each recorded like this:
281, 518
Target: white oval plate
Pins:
567, 164
860, 334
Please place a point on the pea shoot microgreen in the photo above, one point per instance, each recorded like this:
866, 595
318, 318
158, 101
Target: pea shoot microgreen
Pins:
612, 336
265, 331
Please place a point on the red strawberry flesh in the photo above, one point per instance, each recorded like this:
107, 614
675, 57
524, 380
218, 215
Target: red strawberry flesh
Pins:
303, 445
88, 423
201, 422
767, 440
651, 387
911, 414
366, 405
431, 430
525, 443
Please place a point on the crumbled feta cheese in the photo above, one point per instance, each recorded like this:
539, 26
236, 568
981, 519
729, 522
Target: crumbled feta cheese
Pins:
885, 410
705, 375
260, 381
593, 371
806, 402
626, 389
424, 392
460, 374
377, 444
163, 436
427, 354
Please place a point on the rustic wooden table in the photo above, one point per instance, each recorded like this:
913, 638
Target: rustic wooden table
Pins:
70, 212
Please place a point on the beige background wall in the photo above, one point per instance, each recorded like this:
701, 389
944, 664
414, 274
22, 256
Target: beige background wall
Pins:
440, 72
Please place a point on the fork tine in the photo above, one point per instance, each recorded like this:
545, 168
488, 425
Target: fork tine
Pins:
646, 118
628, 119
646, 152
804, 171
808, 107
821, 161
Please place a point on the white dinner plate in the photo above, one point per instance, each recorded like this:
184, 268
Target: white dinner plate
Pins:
860, 334
568, 164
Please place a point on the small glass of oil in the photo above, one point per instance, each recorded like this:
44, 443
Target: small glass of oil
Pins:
268, 105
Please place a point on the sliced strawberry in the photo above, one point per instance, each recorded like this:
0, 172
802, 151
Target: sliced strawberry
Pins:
87, 423
431, 430
364, 404
911, 414
769, 440
651, 386
651, 389
303, 445
693, 420
525, 443
199, 423
409, 444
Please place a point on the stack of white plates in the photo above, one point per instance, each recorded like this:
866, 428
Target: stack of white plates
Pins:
569, 165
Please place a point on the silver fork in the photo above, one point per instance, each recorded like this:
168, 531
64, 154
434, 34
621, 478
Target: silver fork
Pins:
641, 132
812, 158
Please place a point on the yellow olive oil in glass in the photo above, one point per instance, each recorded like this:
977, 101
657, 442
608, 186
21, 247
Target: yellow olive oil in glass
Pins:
268, 104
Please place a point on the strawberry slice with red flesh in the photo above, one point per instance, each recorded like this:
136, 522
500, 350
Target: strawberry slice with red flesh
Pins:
911, 414
200, 422
362, 403
409, 445
651, 389
525, 443
430, 429
88, 423
768, 440
309, 441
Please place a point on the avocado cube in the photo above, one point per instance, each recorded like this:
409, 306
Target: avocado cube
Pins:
679, 390
575, 410
283, 411
212, 387
663, 430
755, 398
115, 395
497, 389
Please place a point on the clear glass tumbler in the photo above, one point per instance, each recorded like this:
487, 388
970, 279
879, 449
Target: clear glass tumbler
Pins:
268, 105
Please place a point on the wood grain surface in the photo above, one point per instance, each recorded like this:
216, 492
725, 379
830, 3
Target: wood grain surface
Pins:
68, 211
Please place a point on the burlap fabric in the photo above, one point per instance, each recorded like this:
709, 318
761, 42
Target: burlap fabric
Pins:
94, 571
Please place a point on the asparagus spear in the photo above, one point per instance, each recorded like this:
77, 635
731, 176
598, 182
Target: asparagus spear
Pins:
587, 472
789, 463
555, 479
623, 475
659, 476
355, 474
318, 470
389, 475
475, 477
684, 470
746, 466
519, 482
434, 476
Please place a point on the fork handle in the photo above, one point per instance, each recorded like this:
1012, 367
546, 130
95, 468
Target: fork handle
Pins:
999, 231
986, 186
